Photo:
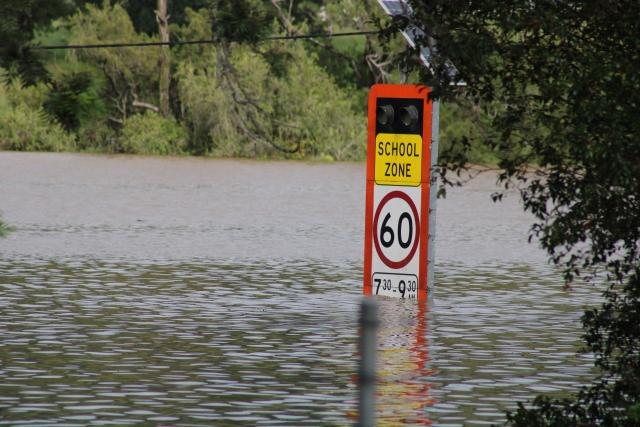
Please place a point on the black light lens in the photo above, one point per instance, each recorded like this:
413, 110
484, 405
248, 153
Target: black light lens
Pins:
409, 115
384, 114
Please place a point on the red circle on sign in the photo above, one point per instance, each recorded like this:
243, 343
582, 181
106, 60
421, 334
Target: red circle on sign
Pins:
393, 195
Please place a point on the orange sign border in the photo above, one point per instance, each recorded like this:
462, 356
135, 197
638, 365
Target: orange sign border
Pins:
399, 91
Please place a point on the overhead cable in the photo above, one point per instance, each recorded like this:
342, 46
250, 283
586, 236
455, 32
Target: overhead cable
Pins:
192, 42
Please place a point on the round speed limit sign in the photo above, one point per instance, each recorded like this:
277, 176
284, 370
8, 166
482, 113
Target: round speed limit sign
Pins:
396, 229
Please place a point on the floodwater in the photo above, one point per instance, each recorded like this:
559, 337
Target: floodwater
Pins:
187, 291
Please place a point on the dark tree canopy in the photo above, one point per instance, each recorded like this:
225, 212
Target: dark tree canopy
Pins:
144, 19
561, 81
143, 16
18, 21
241, 20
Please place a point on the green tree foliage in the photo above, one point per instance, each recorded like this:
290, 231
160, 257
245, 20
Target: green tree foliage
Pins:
235, 20
234, 106
349, 60
144, 19
565, 78
150, 133
237, 101
319, 114
463, 125
130, 73
237, 97
24, 124
18, 21
240, 20
75, 100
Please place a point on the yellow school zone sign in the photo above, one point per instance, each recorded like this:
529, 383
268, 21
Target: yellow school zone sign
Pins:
398, 159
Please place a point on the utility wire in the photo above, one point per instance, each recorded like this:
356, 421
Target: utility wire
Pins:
189, 42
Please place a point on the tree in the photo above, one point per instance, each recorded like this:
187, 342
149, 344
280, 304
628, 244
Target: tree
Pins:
142, 12
18, 21
163, 61
562, 83
235, 104
130, 74
245, 21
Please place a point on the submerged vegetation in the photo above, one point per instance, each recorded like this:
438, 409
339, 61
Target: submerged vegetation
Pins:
5, 229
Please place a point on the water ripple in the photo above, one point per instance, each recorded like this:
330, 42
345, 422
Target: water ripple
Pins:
95, 342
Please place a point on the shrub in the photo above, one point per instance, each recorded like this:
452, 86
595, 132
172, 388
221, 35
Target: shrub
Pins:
24, 125
74, 99
14, 92
25, 129
150, 133
5, 229
98, 136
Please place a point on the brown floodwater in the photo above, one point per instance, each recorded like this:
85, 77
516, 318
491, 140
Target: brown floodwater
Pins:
191, 291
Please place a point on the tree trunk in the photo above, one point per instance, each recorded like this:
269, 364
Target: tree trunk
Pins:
163, 60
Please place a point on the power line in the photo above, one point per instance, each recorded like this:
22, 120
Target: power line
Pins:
190, 42
323, 35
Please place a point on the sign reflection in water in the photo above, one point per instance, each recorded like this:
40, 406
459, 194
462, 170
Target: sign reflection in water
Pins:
404, 363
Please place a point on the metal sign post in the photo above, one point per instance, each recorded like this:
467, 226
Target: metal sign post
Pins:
433, 190
413, 33
367, 369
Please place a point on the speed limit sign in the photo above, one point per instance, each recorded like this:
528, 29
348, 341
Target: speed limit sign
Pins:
393, 249
397, 198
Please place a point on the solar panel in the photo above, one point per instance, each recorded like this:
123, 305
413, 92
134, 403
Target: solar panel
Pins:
413, 34
396, 7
